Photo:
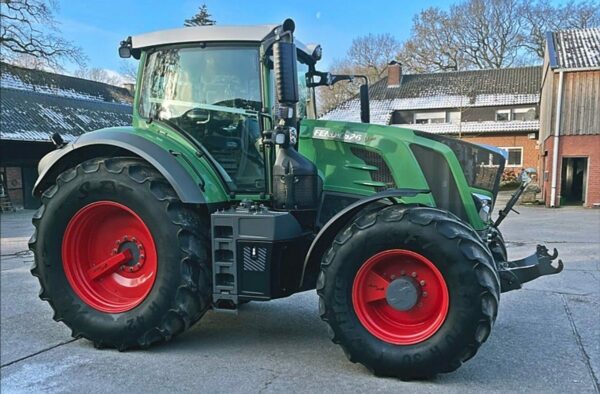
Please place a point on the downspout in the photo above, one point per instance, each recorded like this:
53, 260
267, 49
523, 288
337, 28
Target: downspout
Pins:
556, 137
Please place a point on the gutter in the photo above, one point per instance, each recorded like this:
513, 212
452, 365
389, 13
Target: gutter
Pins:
575, 69
556, 138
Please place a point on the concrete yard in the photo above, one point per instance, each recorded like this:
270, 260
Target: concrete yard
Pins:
546, 338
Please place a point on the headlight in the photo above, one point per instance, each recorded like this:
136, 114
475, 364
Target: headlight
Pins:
484, 206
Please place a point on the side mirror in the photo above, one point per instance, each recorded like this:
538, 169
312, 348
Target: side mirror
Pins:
286, 74
365, 112
125, 48
124, 52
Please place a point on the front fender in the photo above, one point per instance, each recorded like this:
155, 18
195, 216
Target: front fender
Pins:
327, 234
163, 160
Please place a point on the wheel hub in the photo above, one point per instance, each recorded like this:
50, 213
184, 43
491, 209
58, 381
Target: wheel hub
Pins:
403, 294
400, 297
136, 249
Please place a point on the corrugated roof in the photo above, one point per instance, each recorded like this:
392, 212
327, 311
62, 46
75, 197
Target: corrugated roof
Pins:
35, 104
476, 127
30, 116
575, 48
460, 89
60, 85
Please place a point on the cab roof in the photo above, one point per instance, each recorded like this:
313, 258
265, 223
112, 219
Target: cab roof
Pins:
203, 34
213, 33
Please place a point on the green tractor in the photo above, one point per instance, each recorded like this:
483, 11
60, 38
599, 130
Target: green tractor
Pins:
226, 189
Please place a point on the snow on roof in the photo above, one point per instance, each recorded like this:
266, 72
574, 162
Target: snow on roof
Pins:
30, 116
19, 78
381, 110
36, 104
475, 88
575, 48
475, 127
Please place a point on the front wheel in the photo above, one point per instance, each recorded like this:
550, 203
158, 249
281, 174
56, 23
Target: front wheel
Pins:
119, 258
408, 291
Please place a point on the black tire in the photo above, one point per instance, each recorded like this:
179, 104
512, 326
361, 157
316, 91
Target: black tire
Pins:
457, 252
181, 290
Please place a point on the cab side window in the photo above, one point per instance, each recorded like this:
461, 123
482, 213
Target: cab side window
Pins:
303, 91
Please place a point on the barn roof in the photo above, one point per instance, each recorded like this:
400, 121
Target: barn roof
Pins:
574, 48
36, 104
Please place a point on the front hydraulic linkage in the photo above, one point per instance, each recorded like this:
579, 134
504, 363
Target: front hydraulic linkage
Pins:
514, 273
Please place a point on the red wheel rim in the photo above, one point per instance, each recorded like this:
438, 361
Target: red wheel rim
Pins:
109, 257
372, 302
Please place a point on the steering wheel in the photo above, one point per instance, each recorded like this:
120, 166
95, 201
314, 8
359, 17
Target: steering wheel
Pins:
197, 115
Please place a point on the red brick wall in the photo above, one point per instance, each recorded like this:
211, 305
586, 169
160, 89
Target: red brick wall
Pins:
574, 146
14, 184
530, 148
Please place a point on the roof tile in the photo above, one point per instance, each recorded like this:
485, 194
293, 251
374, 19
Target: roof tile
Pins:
459, 89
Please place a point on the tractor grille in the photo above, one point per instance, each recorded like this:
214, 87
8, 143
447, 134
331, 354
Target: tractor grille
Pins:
255, 258
383, 173
440, 179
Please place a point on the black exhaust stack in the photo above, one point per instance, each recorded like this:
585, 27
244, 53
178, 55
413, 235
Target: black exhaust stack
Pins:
295, 178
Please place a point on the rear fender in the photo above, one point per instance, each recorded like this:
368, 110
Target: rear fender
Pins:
327, 234
110, 143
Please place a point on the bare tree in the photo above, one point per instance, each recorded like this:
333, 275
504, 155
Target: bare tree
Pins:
29, 61
202, 18
489, 32
581, 14
368, 55
28, 27
473, 34
332, 96
99, 75
433, 45
128, 70
541, 17
478, 34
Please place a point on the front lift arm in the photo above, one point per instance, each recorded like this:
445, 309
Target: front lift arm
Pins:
514, 273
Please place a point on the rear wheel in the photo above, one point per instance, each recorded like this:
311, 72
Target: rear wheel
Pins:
408, 292
119, 258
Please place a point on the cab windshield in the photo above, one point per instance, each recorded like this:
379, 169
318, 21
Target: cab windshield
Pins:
213, 94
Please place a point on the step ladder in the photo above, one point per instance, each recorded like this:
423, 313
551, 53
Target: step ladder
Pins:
6, 204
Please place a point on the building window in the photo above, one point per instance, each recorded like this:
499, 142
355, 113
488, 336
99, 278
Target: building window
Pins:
523, 114
454, 117
515, 156
437, 117
502, 115
430, 117
520, 114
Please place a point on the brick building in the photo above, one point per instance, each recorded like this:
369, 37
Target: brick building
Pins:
36, 104
570, 118
496, 107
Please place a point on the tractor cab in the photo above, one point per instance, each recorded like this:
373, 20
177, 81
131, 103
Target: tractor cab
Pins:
217, 85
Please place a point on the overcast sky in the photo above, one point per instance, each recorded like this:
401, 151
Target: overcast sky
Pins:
99, 25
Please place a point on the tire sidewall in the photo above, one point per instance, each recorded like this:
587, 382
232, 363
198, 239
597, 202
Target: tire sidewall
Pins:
463, 314
69, 198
